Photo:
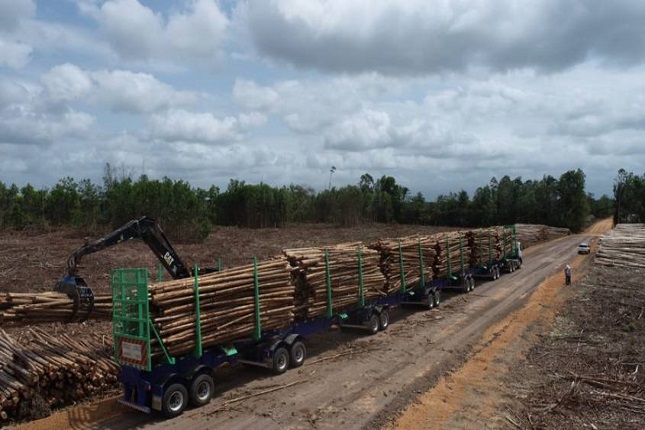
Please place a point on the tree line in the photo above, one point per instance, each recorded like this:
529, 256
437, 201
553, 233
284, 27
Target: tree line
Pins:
188, 213
629, 195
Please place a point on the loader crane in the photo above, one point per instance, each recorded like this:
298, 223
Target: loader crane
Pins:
144, 228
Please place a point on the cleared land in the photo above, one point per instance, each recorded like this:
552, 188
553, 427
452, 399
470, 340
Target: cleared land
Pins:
470, 354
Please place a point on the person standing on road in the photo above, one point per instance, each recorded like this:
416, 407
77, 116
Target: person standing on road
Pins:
567, 275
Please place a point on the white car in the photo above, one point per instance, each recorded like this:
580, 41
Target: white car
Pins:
584, 248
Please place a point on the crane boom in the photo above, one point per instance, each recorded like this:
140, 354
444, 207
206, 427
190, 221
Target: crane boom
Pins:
144, 228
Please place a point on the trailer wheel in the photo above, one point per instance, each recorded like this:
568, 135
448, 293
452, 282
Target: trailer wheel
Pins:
499, 272
201, 390
280, 360
298, 353
466, 287
372, 324
436, 296
175, 400
383, 320
430, 301
471, 281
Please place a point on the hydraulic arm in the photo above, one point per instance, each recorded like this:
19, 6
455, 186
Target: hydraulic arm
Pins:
144, 228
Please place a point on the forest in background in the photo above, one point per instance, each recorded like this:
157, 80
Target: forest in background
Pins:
189, 213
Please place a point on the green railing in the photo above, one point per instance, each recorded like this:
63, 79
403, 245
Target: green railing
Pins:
131, 325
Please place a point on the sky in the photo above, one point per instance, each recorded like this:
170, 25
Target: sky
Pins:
442, 95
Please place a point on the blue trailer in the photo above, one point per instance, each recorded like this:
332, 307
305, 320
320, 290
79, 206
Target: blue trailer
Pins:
167, 384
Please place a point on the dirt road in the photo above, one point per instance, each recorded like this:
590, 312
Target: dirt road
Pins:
351, 380
477, 394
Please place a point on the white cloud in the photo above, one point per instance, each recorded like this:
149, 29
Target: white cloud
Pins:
11, 92
125, 91
180, 125
117, 90
14, 54
24, 124
134, 30
66, 82
13, 11
366, 130
442, 95
198, 31
139, 34
252, 96
421, 37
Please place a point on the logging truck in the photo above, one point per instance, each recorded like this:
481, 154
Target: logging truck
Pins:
167, 383
171, 384
490, 267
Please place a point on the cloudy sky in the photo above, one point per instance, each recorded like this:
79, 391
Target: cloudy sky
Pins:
443, 95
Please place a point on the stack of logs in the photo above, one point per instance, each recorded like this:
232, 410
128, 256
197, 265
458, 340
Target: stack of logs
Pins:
485, 245
624, 246
409, 258
530, 234
227, 305
311, 266
450, 248
39, 371
36, 308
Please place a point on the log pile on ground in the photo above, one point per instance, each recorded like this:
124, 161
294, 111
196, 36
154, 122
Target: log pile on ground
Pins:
623, 247
39, 371
309, 277
407, 253
227, 305
531, 234
38, 308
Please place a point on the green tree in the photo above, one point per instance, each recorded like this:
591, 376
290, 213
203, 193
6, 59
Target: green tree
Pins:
484, 207
573, 203
63, 205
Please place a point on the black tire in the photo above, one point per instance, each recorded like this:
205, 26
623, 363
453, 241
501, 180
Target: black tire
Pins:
372, 324
175, 400
472, 284
280, 360
436, 296
499, 272
430, 301
465, 287
297, 353
383, 320
201, 390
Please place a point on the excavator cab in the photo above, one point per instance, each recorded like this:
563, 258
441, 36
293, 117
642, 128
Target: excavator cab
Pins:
80, 293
